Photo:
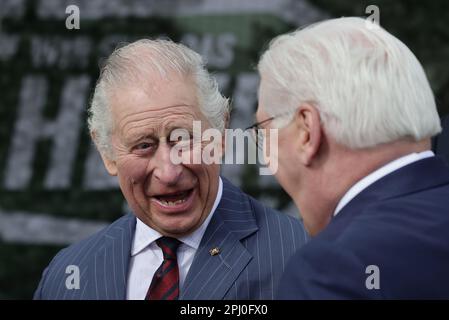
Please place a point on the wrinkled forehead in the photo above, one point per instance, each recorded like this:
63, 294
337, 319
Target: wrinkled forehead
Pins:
153, 88
169, 104
159, 118
153, 94
158, 123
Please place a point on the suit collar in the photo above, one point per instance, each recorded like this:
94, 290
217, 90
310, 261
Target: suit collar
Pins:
211, 276
420, 175
378, 174
236, 211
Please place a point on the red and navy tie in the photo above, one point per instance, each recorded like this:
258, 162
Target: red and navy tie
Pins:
165, 283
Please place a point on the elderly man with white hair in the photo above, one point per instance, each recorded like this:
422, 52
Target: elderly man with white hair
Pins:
355, 114
191, 233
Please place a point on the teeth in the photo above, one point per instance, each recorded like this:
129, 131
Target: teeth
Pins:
172, 203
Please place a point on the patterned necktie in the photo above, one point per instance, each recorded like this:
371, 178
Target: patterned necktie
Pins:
165, 283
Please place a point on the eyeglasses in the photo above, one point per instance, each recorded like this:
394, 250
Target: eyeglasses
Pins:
257, 131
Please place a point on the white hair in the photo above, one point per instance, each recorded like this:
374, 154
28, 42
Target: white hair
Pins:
135, 63
368, 87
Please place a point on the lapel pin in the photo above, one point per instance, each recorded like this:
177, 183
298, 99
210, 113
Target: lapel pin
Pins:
214, 251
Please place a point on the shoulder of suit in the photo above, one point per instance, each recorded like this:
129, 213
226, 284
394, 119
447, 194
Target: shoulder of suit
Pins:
260, 207
276, 217
390, 226
91, 244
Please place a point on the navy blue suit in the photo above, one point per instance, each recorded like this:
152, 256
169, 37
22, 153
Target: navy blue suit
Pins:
255, 243
400, 224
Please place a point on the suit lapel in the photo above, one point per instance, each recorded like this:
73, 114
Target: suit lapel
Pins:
211, 276
110, 264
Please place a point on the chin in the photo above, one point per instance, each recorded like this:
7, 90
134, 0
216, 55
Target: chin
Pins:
178, 226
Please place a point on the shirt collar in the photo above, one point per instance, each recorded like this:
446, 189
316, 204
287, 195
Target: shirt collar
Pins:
145, 235
378, 174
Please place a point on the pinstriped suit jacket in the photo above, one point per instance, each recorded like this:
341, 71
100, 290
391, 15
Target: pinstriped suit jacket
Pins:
255, 243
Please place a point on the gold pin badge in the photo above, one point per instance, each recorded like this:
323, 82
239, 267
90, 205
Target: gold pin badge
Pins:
214, 251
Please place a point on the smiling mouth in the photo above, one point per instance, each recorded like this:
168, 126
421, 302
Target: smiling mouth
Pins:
174, 199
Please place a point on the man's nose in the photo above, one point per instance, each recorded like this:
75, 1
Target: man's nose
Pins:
165, 170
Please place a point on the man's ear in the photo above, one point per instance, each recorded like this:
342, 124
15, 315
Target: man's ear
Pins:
109, 163
308, 122
227, 119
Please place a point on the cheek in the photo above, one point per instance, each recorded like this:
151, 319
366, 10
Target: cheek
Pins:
201, 170
285, 161
202, 174
132, 170
289, 172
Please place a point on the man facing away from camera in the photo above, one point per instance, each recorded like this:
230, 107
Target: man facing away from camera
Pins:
355, 114
191, 233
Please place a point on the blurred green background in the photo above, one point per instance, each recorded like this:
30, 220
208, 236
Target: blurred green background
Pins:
58, 192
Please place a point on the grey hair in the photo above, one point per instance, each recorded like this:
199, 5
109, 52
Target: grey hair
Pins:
135, 63
367, 85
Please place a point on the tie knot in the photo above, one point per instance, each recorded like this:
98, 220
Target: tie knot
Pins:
169, 247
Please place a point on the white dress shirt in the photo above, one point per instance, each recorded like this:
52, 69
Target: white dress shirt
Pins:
380, 173
146, 255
